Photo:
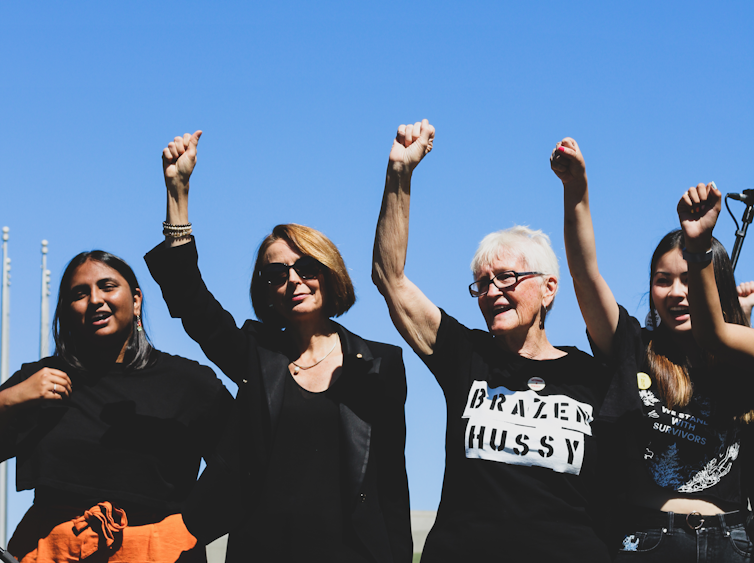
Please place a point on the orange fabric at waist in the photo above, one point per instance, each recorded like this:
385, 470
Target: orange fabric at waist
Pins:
53, 534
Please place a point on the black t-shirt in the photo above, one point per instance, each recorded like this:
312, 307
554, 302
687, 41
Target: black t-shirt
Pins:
693, 450
521, 473
301, 515
134, 437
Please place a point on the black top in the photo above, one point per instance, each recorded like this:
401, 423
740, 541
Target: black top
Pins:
133, 437
371, 392
694, 450
303, 498
521, 473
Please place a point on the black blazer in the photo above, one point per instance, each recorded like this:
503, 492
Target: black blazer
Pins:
372, 419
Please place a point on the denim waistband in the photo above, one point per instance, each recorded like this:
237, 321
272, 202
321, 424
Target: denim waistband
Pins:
648, 518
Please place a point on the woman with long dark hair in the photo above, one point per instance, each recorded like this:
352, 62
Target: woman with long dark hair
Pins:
314, 466
109, 432
687, 387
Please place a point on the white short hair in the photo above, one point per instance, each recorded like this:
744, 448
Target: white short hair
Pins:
532, 247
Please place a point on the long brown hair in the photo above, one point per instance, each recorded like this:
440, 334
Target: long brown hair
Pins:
666, 361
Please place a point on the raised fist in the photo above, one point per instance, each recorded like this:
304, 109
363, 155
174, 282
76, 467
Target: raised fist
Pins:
568, 163
698, 209
412, 143
178, 161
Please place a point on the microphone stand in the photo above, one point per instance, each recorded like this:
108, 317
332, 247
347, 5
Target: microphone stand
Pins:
741, 233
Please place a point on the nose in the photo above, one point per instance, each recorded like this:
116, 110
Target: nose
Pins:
96, 297
293, 276
493, 290
678, 289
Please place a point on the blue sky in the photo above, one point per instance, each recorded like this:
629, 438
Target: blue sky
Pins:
299, 103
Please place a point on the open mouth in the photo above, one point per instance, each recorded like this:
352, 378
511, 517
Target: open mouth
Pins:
500, 309
678, 312
99, 319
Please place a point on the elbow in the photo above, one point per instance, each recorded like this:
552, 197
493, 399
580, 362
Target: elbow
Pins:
379, 278
388, 282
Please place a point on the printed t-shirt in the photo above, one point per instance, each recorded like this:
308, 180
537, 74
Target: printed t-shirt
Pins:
692, 450
521, 469
135, 437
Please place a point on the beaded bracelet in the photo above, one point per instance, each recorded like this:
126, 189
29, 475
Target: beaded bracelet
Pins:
176, 232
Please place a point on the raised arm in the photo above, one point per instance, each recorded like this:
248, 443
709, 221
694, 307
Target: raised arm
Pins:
178, 161
596, 300
698, 210
174, 266
413, 314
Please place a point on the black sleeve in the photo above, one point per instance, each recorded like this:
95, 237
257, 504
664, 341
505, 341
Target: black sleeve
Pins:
389, 450
624, 363
24, 418
176, 271
211, 422
452, 349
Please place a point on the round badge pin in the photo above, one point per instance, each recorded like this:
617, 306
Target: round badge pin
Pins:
643, 380
536, 384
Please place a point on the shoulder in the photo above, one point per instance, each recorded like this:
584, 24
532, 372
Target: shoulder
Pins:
54, 362
576, 355
628, 325
259, 334
381, 349
169, 365
355, 345
629, 343
576, 359
165, 360
452, 328
253, 327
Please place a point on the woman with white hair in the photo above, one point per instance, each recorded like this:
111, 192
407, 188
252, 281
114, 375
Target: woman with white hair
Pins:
521, 469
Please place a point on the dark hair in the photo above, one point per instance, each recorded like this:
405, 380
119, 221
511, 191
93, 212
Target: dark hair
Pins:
666, 362
139, 348
310, 242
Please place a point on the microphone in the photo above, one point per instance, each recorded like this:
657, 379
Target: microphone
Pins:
747, 197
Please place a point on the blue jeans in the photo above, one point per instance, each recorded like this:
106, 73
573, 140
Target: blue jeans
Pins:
687, 538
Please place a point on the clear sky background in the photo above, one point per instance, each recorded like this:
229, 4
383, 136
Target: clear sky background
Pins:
299, 103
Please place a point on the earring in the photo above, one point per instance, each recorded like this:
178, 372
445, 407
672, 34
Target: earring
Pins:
138, 324
652, 320
542, 315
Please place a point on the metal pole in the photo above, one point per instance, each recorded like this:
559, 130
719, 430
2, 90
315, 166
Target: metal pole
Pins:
741, 234
6, 310
4, 374
44, 324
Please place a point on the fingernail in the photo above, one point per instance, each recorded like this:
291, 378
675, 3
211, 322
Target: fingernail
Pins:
561, 149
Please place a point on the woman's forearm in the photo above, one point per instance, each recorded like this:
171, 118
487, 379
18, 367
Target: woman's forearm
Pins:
391, 238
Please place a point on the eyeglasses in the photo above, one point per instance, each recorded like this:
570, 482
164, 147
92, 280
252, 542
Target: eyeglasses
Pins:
501, 281
276, 274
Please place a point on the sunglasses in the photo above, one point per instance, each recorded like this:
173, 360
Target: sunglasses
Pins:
277, 273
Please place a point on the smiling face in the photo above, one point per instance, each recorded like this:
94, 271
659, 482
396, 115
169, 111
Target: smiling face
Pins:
297, 299
670, 291
516, 308
102, 307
